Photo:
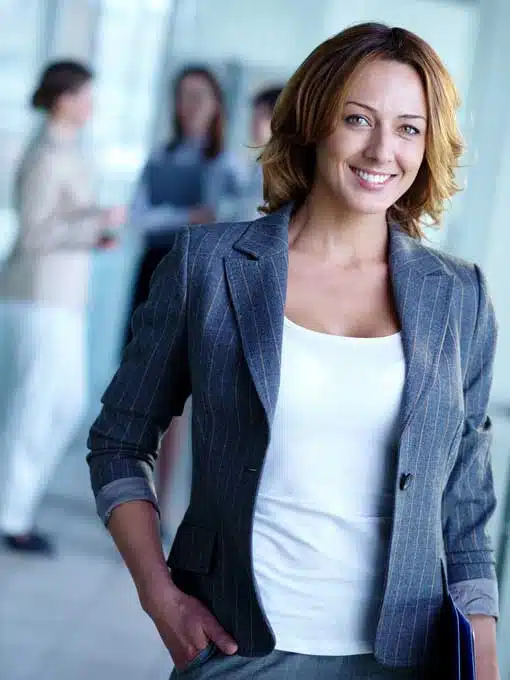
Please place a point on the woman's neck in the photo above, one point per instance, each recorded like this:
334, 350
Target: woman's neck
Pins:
63, 129
324, 227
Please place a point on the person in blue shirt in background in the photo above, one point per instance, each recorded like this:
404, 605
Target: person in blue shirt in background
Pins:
262, 106
188, 180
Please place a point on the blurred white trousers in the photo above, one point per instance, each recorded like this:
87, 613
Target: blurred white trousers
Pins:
43, 400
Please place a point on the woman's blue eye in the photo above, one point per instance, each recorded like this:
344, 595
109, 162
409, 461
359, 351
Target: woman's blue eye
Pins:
410, 130
356, 119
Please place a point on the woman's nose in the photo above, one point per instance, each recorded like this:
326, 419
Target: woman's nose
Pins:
380, 147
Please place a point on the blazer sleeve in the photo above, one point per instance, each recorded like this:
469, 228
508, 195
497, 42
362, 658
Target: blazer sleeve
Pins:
45, 225
469, 499
150, 387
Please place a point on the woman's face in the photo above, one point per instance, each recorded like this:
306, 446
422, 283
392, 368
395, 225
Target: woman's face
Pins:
377, 147
196, 105
75, 108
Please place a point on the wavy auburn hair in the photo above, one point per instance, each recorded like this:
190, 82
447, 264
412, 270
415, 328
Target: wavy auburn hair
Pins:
307, 112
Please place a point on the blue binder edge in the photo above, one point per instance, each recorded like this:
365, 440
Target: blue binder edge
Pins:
460, 637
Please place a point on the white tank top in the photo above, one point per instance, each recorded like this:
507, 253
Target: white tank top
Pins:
323, 510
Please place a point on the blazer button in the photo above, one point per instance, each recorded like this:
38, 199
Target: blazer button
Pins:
405, 480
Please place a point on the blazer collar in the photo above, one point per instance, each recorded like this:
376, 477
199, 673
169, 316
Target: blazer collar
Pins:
422, 286
268, 236
406, 251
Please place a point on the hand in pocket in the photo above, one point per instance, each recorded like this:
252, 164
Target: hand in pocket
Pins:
186, 626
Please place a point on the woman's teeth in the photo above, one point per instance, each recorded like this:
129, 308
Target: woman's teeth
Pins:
369, 177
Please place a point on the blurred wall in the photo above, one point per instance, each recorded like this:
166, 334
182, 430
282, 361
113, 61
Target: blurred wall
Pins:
22, 48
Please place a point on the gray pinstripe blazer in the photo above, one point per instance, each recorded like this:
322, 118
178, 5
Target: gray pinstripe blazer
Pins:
213, 327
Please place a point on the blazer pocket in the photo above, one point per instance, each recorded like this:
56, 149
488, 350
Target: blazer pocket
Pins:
193, 549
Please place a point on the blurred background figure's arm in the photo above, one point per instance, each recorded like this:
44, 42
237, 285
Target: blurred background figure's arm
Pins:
146, 218
46, 223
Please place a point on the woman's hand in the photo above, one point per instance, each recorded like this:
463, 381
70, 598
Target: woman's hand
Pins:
106, 243
185, 625
116, 216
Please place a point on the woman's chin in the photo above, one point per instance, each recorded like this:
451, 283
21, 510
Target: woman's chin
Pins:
366, 206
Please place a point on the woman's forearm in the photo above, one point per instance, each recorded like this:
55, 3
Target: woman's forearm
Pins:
134, 527
484, 628
147, 217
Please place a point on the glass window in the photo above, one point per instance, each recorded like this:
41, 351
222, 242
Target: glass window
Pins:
22, 46
130, 44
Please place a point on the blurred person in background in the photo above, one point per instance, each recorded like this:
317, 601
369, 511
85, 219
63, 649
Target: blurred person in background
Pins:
262, 107
43, 294
187, 181
340, 371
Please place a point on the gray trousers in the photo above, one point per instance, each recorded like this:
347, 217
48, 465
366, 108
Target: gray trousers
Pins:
211, 665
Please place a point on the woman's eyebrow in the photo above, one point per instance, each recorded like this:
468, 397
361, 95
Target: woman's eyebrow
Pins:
371, 108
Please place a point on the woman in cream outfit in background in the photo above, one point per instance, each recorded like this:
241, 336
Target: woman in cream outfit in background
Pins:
43, 294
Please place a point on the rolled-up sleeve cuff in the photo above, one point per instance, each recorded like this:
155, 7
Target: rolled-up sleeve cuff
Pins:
122, 491
476, 596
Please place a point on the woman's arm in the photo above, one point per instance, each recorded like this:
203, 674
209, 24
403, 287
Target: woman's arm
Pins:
149, 388
134, 526
45, 225
184, 624
484, 628
469, 499
151, 385
148, 218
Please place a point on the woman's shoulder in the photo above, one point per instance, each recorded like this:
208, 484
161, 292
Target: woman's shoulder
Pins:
464, 271
423, 256
40, 158
209, 242
469, 282
221, 235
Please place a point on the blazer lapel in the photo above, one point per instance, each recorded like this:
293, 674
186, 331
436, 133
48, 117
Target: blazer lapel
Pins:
257, 279
422, 286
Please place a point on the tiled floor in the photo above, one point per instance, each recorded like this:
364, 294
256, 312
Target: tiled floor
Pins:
76, 617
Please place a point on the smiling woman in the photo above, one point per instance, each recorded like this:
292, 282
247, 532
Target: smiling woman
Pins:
414, 123
340, 372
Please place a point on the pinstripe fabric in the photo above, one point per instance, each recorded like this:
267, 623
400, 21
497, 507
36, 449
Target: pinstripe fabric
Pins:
213, 326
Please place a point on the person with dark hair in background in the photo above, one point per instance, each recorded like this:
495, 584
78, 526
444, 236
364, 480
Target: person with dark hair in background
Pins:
340, 371
185, 182
262, 107
43, 293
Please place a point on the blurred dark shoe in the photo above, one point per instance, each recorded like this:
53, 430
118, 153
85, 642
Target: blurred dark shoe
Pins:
29, 543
